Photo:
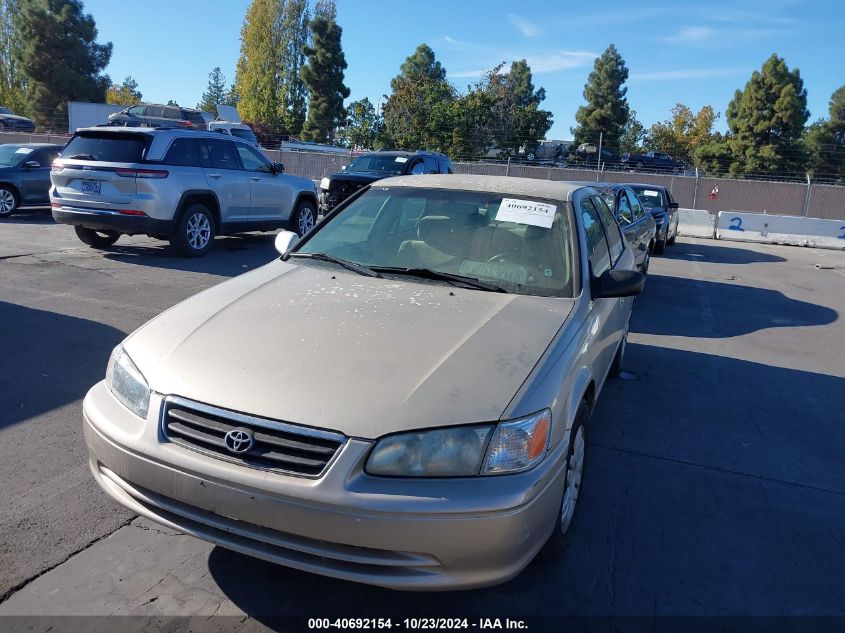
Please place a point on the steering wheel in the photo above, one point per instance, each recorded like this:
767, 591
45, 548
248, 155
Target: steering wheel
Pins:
498, 257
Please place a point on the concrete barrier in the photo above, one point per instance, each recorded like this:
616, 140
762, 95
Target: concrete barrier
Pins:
696, 223
780, 229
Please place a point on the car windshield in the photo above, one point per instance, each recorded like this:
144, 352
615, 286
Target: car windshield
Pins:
11, 155
107, 147
379, 164
521, 244
650, 197
247, 135
5, 110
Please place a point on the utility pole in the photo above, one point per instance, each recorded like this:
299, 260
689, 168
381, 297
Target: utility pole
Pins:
806, 199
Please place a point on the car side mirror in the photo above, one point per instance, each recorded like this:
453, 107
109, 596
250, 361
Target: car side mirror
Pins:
32, 164
285, 240
279, 168
672, 205
619, 283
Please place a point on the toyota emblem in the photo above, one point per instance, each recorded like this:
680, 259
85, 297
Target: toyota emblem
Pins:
239, 441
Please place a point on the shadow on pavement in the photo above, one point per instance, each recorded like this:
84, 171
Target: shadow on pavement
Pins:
696, 501
30, 215
718, 254
677, 306
49, 360
230, 255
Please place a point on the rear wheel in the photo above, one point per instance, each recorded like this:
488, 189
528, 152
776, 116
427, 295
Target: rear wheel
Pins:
97, 239
194, 232
304, 217
8, 201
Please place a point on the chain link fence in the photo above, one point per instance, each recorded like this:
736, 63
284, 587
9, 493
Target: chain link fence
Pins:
691, 192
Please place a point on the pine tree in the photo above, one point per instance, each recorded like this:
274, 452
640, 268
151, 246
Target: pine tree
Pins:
418, 107
606, 111
44, 28
126, 93
323, 76
293, 39
825, 142
13, 84
215, 94
766, 120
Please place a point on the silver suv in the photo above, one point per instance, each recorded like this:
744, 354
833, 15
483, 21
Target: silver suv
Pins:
179, 185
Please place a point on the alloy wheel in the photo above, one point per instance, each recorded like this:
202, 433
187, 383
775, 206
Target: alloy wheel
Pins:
574, 473
199, 231
305, 220
7, 201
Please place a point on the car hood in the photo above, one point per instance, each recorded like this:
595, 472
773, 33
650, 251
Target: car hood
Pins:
358, 177
310, 343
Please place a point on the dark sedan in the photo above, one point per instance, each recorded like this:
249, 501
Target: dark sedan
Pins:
637, 224
11, 122
658, 200
25, 175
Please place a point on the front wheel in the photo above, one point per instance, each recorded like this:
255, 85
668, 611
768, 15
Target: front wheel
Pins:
194, 232
8, 202
304, 218
96, 239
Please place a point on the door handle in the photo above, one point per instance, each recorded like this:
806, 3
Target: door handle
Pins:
213, 175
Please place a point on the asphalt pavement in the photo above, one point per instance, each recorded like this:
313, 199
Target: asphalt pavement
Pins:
714, 484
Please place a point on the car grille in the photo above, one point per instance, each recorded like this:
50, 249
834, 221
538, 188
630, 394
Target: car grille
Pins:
343, 190
276, 446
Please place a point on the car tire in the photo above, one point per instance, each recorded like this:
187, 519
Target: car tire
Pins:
194, 234
617, 366
671, 240
304, 217
96, 239
9, 201
573, 483
660, 245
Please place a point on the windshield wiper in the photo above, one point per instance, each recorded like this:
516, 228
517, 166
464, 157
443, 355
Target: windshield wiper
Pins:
353, 266
428, 273
82, 157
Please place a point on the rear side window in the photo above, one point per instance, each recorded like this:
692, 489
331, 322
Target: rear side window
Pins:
597, 251
171, 113
154, 111
611, 228
184, 152
194, 117
222, 154
636, 205
110, 148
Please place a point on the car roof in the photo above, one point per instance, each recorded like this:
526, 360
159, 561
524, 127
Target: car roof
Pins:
400, 152
646, 185
508, 185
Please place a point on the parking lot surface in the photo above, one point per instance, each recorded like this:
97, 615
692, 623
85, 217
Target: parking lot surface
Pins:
714, 482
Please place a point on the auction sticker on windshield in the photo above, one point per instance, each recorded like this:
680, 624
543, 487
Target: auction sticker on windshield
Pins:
401, 159
526, 212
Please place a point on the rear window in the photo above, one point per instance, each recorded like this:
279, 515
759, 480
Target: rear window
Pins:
109, 148
194, 117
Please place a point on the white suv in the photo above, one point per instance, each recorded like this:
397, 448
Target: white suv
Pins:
180, 185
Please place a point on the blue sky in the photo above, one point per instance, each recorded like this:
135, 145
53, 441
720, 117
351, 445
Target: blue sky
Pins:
675, 51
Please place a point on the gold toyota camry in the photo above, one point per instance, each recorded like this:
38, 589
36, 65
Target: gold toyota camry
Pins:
402, 398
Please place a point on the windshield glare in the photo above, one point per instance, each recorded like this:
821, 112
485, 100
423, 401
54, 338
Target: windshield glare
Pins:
11, 155
455, 232
378, 164
650, 197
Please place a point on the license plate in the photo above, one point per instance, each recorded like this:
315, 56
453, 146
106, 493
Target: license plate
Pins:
90, 186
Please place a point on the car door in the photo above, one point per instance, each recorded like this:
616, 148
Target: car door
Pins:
605, 320
644, 223
35, 181
271, 193
226, 179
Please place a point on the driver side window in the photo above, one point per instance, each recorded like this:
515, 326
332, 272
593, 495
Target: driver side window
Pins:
418, 168
252, 160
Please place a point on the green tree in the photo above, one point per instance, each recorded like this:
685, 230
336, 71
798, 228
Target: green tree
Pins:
606, 111
766, 120
633, 135
215, 92
13, 84
825, 142
417, 112
60, 56
680, 135
323, 76
267, 81
362, 124
126, 93
714, 159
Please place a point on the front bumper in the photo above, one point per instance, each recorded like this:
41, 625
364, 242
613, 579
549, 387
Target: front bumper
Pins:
104, 220
398, 533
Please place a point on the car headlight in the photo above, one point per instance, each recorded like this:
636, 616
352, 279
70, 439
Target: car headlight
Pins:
507, 447
324, 184
127, 383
